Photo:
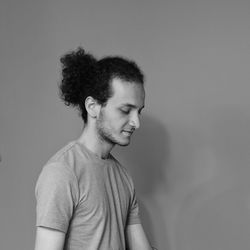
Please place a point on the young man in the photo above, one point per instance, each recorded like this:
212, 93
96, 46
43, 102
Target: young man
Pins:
85, 198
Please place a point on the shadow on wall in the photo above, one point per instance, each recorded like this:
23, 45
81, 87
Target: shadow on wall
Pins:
214, 214
146, 159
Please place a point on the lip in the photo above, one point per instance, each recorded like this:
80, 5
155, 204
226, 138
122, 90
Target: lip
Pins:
128, 132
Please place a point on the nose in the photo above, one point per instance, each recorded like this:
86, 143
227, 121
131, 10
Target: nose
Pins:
135, 121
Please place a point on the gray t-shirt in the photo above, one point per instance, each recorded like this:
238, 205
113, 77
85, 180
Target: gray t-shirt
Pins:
90, 199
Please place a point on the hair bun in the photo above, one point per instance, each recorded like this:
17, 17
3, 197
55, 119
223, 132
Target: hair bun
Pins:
79, 72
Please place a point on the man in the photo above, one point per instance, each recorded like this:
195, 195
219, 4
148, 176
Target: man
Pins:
85, 198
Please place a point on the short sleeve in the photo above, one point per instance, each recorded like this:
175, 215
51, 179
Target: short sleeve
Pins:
133, 216
56, 195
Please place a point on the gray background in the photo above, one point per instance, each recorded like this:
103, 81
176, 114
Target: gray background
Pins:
190, 159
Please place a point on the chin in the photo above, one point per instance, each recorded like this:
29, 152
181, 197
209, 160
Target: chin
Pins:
123, 143
119, 140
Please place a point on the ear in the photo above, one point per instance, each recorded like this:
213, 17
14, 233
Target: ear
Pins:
92, 106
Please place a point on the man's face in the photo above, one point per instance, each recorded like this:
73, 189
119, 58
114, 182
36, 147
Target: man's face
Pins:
120, 116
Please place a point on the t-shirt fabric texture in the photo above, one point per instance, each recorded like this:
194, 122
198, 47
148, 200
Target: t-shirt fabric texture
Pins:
90, 199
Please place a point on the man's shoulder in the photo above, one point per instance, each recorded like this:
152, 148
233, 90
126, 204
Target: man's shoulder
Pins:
61, 161
68, 156
71, 158
62, 153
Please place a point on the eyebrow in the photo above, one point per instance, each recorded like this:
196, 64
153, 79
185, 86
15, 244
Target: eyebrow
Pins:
132, 106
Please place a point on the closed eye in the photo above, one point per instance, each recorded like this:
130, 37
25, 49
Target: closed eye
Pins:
125, 111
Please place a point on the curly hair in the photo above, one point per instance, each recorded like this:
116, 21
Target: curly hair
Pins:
83, 75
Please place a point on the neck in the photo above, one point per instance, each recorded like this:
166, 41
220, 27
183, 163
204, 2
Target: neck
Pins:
92, 141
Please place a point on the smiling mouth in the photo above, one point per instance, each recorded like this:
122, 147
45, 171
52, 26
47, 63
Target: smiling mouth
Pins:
128, 133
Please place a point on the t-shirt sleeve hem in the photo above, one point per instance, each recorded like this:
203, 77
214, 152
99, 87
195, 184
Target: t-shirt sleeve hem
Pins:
134, 221
54, 226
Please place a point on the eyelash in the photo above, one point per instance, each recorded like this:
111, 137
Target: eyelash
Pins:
125, 111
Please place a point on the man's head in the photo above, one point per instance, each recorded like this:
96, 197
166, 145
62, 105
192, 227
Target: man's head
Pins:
113, 83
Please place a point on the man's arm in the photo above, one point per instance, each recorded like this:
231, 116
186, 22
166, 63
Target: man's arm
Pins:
49, 239
136, 238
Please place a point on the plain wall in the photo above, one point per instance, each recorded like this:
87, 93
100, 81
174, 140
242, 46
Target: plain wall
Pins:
190, 158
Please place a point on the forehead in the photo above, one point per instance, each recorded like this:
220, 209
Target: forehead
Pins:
127, 93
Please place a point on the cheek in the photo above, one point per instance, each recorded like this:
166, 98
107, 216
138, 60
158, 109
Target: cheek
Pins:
115, 120
118, 123
115, 117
